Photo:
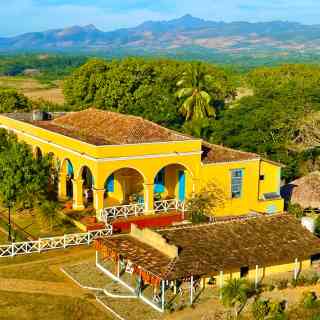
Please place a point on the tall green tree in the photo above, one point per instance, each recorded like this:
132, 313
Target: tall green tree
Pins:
235, 295
142, 87
11, 100
198, 89
23, 179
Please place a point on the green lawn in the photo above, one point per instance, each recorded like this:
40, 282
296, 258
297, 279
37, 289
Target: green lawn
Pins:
30, 223
3, 238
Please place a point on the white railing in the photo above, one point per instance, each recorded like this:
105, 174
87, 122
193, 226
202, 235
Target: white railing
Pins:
168, 205
125, 211
45, 244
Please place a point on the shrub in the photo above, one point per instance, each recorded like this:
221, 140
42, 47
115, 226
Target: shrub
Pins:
296, 210
309, 300
48, 214
300, 281
281, 284
260, 309
277, 310
11, 100
266, 309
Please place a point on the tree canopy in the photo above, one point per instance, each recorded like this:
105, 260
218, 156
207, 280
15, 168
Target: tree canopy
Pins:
23, 179
136, 86
11, 100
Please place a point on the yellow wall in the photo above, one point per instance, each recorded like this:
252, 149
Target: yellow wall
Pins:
253, 188
265, 271
148, 159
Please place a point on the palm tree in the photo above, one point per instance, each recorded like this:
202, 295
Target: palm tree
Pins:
194, 88
235, 294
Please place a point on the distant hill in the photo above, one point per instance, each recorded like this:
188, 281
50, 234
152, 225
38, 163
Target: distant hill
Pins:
184, 35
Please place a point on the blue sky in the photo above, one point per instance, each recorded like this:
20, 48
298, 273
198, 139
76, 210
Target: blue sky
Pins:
19, 16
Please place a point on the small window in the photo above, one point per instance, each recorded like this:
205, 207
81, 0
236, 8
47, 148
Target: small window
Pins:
236, 183
315, 259
244, 271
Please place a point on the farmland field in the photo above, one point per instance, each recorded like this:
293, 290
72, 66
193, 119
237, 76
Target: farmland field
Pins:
34, 89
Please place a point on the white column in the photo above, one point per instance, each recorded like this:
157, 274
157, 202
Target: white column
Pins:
191, 290
118, 268
296, 269
257, 276
221, 283
97, 257
162, 293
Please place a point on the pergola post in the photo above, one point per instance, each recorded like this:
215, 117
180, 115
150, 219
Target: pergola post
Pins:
191, 290
118, 267
221, 283
162, 295
257, 277
296, 269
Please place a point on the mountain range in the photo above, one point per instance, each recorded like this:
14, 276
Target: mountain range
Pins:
186, 34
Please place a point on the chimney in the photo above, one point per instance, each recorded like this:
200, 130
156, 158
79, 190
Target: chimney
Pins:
154, 240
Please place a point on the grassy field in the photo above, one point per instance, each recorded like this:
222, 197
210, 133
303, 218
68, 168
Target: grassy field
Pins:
20, 306
30, 223
34, 89
34, 287
37, 289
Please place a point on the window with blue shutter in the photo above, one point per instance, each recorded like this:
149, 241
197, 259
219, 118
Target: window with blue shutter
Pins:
110, 184
236, 183
159, 182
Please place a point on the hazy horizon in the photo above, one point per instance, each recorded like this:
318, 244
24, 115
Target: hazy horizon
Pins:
21, 16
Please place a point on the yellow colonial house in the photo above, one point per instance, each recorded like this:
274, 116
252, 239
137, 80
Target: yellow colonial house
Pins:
127, 165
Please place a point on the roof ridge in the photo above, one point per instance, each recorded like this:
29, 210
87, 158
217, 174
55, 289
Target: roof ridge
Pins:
232, 220
231, 149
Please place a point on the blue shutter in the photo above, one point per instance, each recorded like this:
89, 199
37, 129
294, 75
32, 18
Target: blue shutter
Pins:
236, 183
182, 185
110, 184
159, 182
69, 168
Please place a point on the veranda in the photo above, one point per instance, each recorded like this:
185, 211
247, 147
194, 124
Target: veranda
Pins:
153, 289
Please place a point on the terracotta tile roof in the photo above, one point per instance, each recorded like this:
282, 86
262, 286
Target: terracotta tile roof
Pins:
139, 253
212, 153
304, 191
210, 248
105, 128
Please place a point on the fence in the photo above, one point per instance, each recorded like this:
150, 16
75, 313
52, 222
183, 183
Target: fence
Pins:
52, 243
168, 205
112, 213
125, 211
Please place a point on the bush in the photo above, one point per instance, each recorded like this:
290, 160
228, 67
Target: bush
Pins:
48, 214
11, 100
260, 309
281, 284
310, 300
277, 310
266, 309
296, 210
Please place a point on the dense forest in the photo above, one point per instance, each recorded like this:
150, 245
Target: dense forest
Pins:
278, 116
49, 67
